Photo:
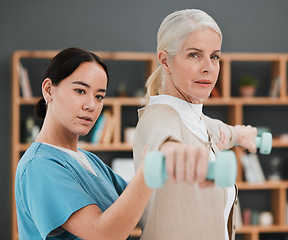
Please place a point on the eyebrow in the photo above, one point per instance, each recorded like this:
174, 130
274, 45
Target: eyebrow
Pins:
199, 50
81, 83
88, 86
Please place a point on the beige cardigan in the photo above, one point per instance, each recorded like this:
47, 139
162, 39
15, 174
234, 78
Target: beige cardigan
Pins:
179, 210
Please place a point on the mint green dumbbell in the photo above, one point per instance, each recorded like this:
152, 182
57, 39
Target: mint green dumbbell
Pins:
223, 171
264, 143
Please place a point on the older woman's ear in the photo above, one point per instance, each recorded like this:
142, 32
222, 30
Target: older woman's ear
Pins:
163, 60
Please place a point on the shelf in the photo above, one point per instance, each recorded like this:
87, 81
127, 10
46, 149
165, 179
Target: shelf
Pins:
267, 185
250, 101
125, 147
90, 147
262, 229
127, 101
278, 143
129, 56
106, 147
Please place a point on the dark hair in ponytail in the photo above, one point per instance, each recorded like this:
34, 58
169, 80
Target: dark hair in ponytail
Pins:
62, 66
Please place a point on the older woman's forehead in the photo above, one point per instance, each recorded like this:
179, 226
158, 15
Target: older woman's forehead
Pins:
203, 39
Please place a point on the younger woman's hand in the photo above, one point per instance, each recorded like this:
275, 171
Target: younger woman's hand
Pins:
186, 163
246, 137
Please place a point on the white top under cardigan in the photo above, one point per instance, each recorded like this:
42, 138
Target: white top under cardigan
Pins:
190, 115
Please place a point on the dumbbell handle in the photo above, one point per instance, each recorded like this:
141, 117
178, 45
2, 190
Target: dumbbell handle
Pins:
264, 143
223, 171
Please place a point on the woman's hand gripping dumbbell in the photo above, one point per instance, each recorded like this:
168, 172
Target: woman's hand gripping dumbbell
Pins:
245, 136
264, 143
223, 171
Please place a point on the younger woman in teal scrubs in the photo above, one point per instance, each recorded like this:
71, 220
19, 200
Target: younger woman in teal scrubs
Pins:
63, 192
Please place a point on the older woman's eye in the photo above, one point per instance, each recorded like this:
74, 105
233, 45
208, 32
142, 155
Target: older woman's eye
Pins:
193, 55
215, 57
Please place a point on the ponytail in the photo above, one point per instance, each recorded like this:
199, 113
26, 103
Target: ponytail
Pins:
40, 109
154, 84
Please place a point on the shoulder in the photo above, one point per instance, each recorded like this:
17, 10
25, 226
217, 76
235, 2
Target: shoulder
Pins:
40, 155
158, 111
212, 122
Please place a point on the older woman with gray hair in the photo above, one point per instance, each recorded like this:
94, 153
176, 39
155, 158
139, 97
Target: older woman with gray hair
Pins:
189, 51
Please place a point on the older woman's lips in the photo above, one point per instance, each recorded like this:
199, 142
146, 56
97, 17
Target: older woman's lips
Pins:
204, 83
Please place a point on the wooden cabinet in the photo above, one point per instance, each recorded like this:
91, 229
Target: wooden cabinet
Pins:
236, 107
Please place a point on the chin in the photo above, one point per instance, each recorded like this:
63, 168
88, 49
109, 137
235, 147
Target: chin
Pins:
83, 133
204, 96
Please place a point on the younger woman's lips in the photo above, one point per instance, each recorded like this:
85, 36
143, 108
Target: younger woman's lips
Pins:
85, 120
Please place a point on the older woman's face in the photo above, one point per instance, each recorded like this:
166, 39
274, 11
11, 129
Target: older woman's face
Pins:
194, 70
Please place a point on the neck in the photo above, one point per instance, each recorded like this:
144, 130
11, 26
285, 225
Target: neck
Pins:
187, 98
172, 90
52, 135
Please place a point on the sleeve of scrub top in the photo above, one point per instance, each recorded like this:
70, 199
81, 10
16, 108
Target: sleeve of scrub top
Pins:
51, 193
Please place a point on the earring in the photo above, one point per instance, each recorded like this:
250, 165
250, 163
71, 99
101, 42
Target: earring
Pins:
46, 102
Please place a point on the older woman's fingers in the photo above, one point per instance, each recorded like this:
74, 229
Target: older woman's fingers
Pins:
190, 165
180, 163
202, 164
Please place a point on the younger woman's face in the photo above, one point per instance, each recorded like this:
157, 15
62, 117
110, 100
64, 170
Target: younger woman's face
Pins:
194, 70
78, 100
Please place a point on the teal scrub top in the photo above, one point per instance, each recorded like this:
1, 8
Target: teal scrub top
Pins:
50, 185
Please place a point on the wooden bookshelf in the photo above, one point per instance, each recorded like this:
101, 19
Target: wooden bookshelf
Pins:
278, 68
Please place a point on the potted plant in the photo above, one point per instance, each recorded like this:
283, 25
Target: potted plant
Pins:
247, 86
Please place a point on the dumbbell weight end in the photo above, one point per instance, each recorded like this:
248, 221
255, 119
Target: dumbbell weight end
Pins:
264, 143
155, 174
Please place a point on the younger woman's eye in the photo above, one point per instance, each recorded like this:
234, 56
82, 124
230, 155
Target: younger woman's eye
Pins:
80, 91
100, 97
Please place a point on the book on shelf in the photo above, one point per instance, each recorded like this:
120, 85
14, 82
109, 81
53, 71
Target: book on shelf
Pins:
247, 212
252, 168
275, 87
103, 129
251, 217
107, 134
98, 129
24, 82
